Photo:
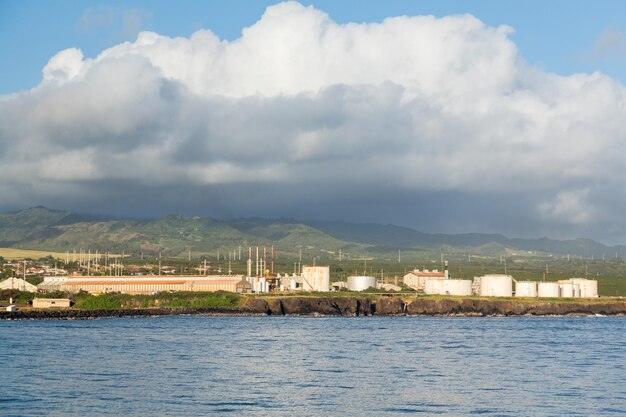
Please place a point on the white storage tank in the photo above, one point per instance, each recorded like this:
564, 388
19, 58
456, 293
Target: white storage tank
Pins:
525, 289
548, 289
433, 286
457, 286
496, 285
567, 290
588, 287
316, 278
360, 282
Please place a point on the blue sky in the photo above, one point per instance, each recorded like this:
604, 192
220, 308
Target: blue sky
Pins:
557, 35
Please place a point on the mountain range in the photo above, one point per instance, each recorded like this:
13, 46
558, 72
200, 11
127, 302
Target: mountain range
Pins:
46, 229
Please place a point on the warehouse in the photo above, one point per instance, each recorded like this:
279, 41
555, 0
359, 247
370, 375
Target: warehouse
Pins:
146, 285
17, 284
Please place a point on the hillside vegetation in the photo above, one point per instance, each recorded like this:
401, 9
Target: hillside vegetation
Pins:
43, 229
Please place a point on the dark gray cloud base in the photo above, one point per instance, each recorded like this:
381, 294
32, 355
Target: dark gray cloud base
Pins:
433, 123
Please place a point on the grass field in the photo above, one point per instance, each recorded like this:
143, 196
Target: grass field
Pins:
18, 254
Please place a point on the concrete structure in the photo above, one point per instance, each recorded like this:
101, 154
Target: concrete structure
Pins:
316, 278
448, 286
12, 307
360, 282
17, 284
496, 285
416, 278
145, 284
525, 289
51, 302
548, 289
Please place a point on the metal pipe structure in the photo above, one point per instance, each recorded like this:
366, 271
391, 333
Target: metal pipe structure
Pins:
257, 261
249, 261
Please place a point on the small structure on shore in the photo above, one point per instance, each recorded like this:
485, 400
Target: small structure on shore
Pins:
51, 302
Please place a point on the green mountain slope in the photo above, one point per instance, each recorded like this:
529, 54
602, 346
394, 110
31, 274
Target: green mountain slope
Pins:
41, 228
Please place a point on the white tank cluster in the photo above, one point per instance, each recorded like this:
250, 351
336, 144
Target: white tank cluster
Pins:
496, 285
316, 278
588, 288
259, 285
570, 288
361, 282
448, 286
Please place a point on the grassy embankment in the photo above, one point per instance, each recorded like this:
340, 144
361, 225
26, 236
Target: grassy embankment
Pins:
84, 301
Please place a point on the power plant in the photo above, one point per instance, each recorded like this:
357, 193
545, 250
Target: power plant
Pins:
261, 277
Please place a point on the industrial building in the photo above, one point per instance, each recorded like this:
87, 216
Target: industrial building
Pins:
437, 282
17, 284
142, 285
316, 278
416, 279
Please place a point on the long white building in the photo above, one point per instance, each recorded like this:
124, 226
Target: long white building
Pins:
142, 284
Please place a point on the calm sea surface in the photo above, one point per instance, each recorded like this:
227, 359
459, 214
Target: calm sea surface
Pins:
292, 366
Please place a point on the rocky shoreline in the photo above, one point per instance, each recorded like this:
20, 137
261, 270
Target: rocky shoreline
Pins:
348, 306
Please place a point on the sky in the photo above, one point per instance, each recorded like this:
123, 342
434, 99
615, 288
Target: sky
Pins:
444, 116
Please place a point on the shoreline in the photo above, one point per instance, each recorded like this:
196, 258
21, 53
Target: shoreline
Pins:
348, 307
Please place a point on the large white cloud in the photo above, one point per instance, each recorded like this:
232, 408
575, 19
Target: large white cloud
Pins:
414, 104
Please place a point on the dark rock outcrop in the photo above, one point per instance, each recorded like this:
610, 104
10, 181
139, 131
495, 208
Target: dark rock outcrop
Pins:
257, 305
327, 306
494, 307
389, 306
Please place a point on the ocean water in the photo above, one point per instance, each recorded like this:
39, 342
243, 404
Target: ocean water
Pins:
306, 366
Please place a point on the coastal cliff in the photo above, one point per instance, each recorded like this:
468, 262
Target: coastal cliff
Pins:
350, 306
